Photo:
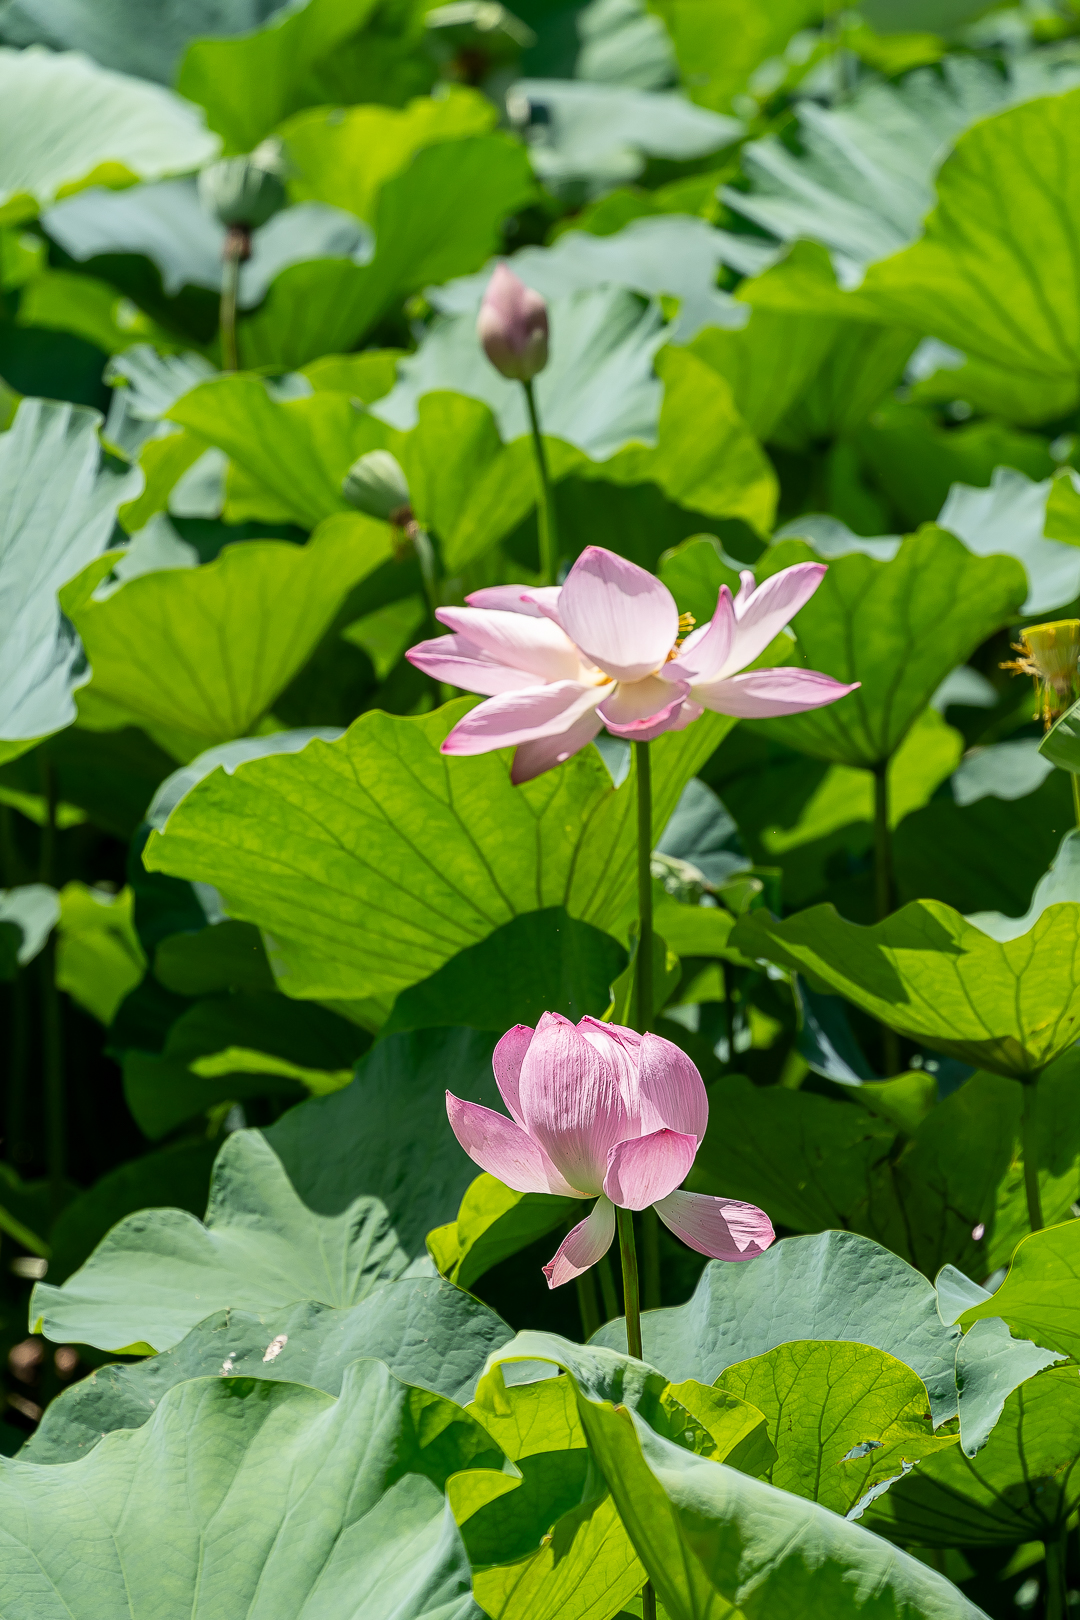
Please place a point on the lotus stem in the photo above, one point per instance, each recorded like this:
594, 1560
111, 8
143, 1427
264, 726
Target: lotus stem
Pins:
588, 1307
644, 985
236, 249
1029, 1146
632, 1303
52, 1050
883, 894
607, 1288
547, 522
1057, 1594
1076, 796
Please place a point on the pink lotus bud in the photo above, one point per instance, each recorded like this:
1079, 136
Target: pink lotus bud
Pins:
513, 326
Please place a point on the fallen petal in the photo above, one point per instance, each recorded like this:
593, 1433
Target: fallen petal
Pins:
623, 619
720, 1227
584, 1246
648, 1168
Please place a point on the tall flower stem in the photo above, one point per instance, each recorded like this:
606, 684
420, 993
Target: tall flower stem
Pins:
545, 510
588, 1307
52, 1049
644, 984
632, 1303
883, 893
236, 249
1076, 796
1029, 1146
1057, 1595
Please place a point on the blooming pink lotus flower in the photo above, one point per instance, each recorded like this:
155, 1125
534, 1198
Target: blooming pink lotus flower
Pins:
513, 326
557, 663
601, 1112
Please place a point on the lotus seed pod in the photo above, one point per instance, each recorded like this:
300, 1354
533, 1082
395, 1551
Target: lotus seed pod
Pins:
513, 326
245, 191
377, 486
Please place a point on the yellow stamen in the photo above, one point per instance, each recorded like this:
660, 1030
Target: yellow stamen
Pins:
1050, 654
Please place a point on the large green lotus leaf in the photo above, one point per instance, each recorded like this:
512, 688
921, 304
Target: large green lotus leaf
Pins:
98, 955
899, 627
268, 1496
160, 1272
1039, 1297
1022, 1486
146, 41
842, 1417
67, 123
542, 962
440, 216
162, 1093
713, 1540
426, 1331
375, 859
59, 507
990, 1364
492, 1223
201, 653
861, 364
344, 156
928, 973
249, 84
387, 1134
972, 279
835, 1285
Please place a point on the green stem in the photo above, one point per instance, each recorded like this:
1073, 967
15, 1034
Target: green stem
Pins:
235, 251
588, 1307
883, 893
1076, 796
628, 1255
1029, 1145
644, 1004
545, 511
631, 1295
12, 873
1057, 1593
52, 1050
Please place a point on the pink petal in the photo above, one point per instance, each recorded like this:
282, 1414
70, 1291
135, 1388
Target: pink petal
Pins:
705, 651
672, 1091
634, 707
503, 1149
762, 614
762, 693
621, 617
460, 663
517, 717
516, 641
572, 1103
747, 587
506, 1062
584, 1246
648, 1168
513, 326
720, 1227
533, 758
645, 730
620, 1048
506, 598
686, 716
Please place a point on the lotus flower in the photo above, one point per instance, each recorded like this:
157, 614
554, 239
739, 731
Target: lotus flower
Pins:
513, 326
601, 1112
558, 663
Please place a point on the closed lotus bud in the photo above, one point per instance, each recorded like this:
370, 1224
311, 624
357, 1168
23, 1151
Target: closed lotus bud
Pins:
245, 191
1050, 654
377, 486
513, 326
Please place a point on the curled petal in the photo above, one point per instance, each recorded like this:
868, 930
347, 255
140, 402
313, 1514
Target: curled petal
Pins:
763, 693
645, 730
621, 617
572, 1103
761, 614
517, 717
506, 1062
686, 716
544, 753
633, 707
704, 652
584, 1246
671, 1089
504, 1149
720, 1227
461, 663
506, 598
536, 646
648, 1168
747, 587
